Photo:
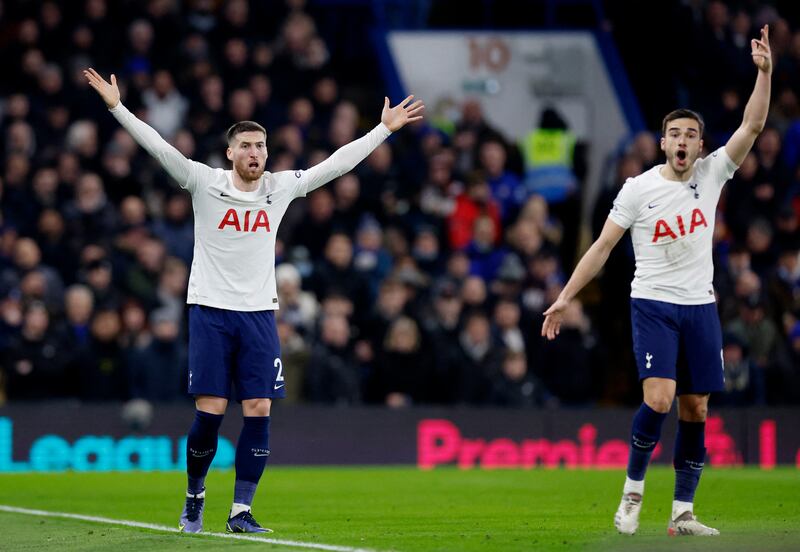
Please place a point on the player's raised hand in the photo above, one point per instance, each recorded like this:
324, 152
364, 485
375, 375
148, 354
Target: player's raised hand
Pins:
762, 55
403, 113
108, 91
552, 318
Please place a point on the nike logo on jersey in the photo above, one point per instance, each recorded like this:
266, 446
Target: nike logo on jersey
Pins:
279, 386
223, 194
652, 205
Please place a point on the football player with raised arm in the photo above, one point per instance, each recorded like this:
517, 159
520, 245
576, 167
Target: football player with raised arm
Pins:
677, 340
231, 292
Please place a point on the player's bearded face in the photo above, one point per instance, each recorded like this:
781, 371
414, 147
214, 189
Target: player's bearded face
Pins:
682, 144
248, 152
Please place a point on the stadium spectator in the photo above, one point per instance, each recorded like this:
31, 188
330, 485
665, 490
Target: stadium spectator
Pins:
506, 325
744, 382
335, 272
98, 365
298, 307
141, 277
476, 362
402, 366
370, 257
176, 228
759, 334
577, 348
514, 386
33, 361
98, 275
156, 371
317, 225
504, 184
332, 374
485, 258
166, 107
474, 202
90, 217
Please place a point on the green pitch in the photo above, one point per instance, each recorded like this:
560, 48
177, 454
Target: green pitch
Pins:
403, 509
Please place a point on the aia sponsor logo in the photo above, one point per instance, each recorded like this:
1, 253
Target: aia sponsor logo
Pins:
678, 227
250, 221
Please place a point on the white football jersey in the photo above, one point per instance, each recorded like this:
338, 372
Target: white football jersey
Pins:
234, 245
672, 226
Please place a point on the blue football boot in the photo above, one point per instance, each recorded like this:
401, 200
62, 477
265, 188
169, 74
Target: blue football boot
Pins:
244, 522
192, 515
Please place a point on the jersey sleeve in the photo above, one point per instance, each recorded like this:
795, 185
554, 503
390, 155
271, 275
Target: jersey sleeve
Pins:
626, 205
718, 166
185, 171
342, 161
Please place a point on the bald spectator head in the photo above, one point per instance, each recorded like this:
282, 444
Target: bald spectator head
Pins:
473, 291
301, 112
78, 304
90, 194
335, 331
82, 138
27, 254
133, 211
242, 105
20, 139
339, 250
288, 280
140, 36
151, 255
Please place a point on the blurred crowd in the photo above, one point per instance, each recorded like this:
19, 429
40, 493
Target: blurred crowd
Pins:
419, 278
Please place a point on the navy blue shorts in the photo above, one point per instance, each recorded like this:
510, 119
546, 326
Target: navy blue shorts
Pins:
232, 347
679, 342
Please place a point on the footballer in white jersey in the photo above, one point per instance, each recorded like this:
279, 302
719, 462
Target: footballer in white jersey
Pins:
233, 341
677, 339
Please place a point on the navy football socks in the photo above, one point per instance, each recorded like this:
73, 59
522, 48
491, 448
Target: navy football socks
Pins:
645, 434
201, 446
252, 452
690, 455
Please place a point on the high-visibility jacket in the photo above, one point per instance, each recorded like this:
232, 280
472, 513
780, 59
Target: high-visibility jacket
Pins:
548, 155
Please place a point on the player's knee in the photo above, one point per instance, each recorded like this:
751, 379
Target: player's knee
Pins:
256, 407
660, 402
212, 405
696, 412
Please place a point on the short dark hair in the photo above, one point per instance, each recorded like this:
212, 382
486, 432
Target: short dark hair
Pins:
683, 114
244, 126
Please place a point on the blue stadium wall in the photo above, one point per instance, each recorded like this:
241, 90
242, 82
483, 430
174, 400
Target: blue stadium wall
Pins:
57, 437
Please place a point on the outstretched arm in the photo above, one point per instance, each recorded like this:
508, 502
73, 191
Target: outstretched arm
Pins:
178, 167
348, 156
588, 267
755, 112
